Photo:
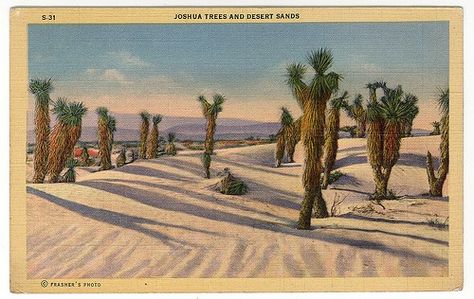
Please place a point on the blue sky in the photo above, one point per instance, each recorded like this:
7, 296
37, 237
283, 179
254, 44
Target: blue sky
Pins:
163, 68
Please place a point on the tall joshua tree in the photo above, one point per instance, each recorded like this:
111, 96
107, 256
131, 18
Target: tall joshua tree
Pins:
386, 117
152, 147
41, 90
144, 127
357, 112
313, 98
210, 112
436, 180
65, 135
103, 138
284, 137
332, 135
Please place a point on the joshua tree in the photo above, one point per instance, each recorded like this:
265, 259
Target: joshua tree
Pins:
436, 180
407, 125
285, 137
210, 112
357, 112
121, 158
105, 124
385, 117
170, 148
111, 128
436, 128
41, 90
152, 147
332, 135
313, 98
70, 174
65, 135
280, 148
292, 140
145, 116
85, 157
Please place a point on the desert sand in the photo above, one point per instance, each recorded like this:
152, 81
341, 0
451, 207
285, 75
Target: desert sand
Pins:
161, 218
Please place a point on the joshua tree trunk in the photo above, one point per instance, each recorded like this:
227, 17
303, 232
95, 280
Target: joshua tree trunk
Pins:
42, 142
152, 147
62, 141
361, 127
211, 128
206, 162
313, 139
104, 147
280, 148
330, 144
293, 140
143, 138
436, 181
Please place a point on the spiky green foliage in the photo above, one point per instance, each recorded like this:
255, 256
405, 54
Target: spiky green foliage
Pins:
210, 112
231, 185
313, 98
286, 137
436, 180
70, 174
170, 148
152, 147
65, 135
144, 127
386, 117
436, 128
357, 112
332, 135
41, 89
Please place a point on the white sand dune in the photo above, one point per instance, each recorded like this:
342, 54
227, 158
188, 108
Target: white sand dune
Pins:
161, 218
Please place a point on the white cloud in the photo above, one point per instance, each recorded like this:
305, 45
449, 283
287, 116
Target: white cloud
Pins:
113, 75
127, 59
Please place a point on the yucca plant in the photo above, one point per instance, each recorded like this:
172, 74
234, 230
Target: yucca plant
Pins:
407, 125
436, 128
292, 140
386, 117
41, 89
65, 135
333, 121
170, 148
357, 112
152, 147
121, 159
285, 135
144, 127
210, 112
280, 147
436, 180
313, 98
70, 174
103, 137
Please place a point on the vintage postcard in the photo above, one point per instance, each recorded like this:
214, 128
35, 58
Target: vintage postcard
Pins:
236, 149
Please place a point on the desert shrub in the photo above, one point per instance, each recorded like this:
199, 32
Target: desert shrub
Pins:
437, 223
70, 174
334, 176
121, 158
336, 205
230, 185
391, 195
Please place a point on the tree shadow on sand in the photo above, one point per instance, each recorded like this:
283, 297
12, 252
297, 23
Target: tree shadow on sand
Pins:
406, 159
115, 218
147, 171
164, 202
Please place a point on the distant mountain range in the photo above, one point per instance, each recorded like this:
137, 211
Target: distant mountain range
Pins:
185, 128
190, 128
